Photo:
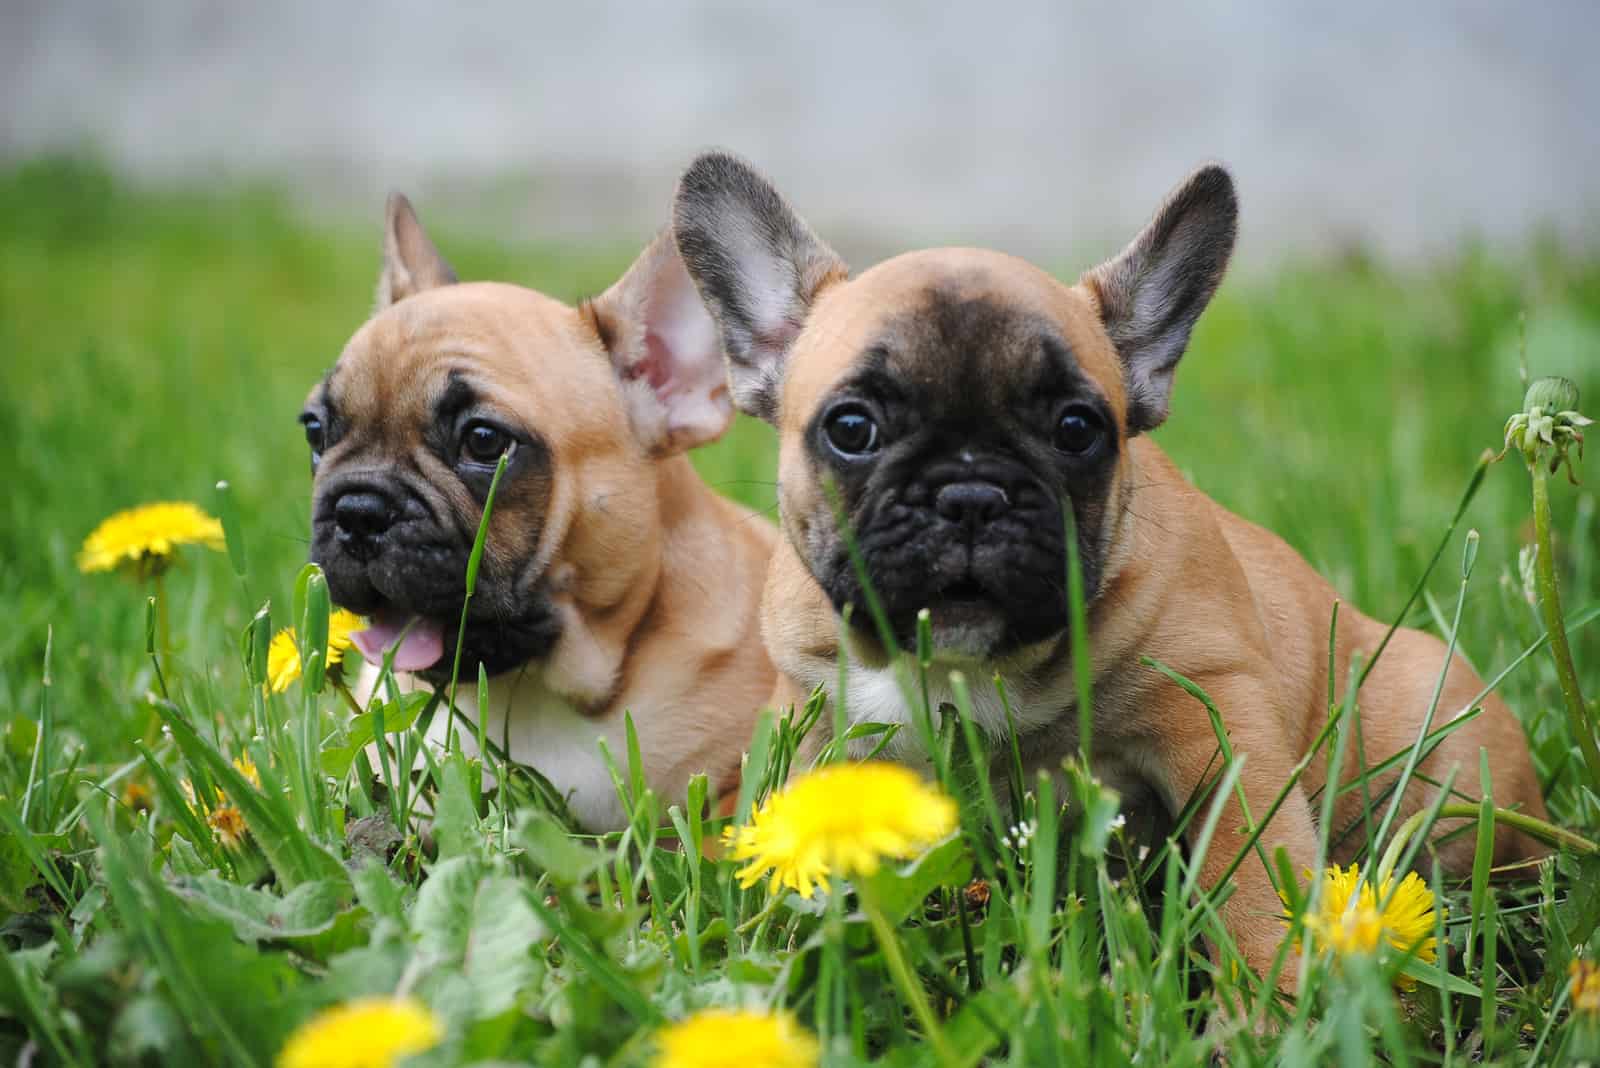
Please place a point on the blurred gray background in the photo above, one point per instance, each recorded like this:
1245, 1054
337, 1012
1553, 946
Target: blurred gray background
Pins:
1043, 127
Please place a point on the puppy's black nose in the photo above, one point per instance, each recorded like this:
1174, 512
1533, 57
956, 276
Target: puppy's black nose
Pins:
362, 516
971, 503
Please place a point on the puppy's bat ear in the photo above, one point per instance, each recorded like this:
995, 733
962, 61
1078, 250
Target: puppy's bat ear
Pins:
1151, 294
664, 348
758, 266
410, 262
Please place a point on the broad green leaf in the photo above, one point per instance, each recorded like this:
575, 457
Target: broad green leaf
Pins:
982, 1023
147, 1027
257, 915
455, 819
378, 892
184, 858
336, 758
17, 874
396, 717
553, 850
1432, 975
714, 933
474, 925
369, 969
901, 890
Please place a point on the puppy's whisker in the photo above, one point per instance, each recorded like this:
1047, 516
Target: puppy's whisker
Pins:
768, 512
1150, 520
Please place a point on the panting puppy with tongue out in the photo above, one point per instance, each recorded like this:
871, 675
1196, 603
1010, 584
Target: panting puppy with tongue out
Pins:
613, 580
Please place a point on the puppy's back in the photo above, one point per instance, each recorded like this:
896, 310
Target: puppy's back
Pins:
1295, 605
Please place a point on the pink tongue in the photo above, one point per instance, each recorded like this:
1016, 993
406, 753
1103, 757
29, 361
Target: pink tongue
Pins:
421, 647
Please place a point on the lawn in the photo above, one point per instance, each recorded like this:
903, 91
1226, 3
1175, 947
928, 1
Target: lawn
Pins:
157, 341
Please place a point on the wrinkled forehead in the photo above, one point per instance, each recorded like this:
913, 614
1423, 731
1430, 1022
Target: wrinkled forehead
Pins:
966, 327
455, 344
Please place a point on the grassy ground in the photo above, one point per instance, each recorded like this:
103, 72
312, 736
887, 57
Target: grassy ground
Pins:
157, 342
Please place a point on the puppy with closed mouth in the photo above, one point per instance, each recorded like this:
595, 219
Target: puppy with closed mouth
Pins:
960, 399
612, 581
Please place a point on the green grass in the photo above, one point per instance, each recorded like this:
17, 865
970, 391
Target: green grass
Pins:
157, 341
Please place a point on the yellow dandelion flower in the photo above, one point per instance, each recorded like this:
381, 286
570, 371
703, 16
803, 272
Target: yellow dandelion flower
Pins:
840, 819
242, 764
247, 767
1585, 987
1348, 920
731, 1038
367, 1033
136, 795
283, 655
228, 822
144, 538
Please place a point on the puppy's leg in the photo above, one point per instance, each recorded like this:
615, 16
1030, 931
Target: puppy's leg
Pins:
1253, 914
1394, 701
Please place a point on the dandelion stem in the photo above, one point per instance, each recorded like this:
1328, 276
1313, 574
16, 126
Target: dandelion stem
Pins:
349, 698
1544, 831
163, 626
760, 919
1555, 626
909, 986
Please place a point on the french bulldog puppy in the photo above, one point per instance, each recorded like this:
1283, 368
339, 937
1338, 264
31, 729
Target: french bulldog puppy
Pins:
959, 399
613, 580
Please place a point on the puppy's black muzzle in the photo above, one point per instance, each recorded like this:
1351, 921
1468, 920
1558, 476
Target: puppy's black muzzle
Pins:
971, 503
381, 547
981, 536
361, 517
387, 551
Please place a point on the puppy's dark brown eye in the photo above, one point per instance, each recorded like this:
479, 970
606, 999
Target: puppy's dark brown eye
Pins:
483, 444
314, 436
1079, 431
852, 431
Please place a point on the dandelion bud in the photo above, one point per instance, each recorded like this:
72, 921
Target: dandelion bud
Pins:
1548, 427
1552, 394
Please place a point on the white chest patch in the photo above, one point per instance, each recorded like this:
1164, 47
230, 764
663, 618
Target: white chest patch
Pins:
877, 695
540, 728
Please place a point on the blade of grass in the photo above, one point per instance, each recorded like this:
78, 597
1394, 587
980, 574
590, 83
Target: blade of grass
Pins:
980, 762
1208, 828
1440, 936
39, 763
474, 560
1474, 483
1224, 744
1468, 558
1550, 1018
35, 853
1078, 634
1482, 903
233, 532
